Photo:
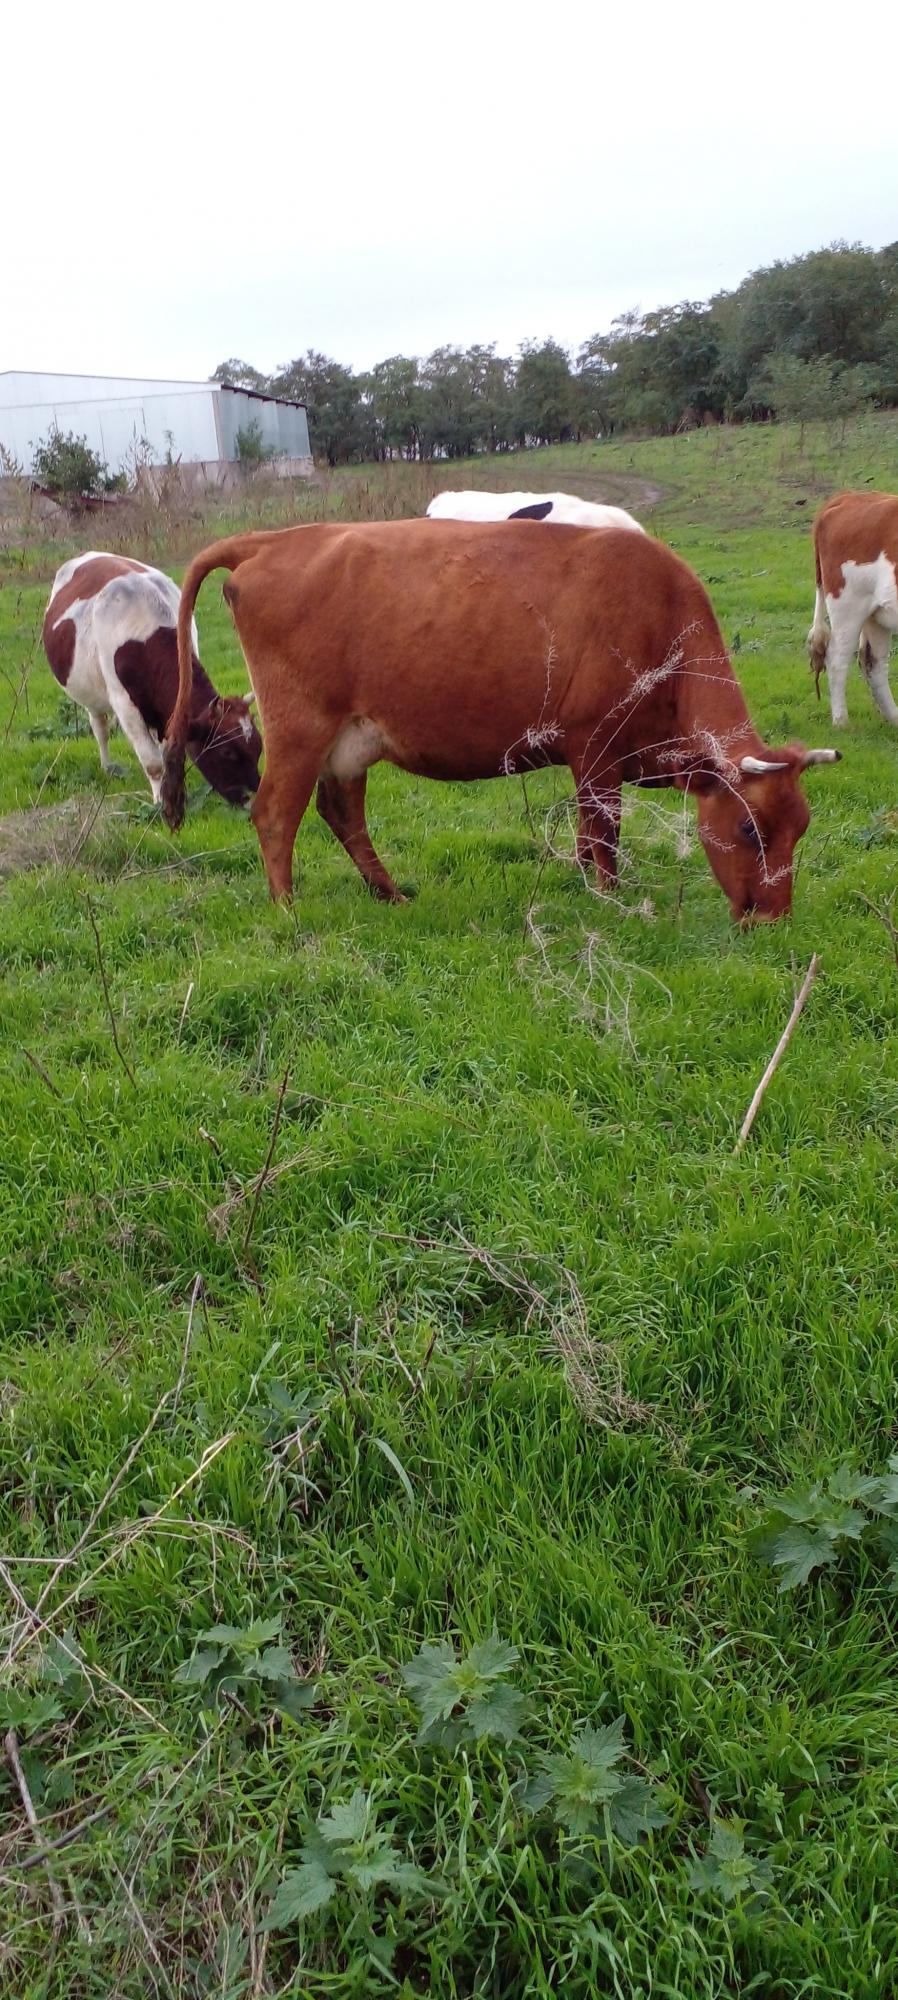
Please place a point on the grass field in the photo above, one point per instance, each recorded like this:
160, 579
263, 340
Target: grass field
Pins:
508, 1343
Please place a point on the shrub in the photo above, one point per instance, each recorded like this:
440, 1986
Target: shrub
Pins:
251, 447
65, 465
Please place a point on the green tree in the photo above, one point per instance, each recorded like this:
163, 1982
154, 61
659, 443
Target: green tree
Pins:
396, 402
545, 393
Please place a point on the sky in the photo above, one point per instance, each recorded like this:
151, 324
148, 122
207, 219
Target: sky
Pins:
183, 185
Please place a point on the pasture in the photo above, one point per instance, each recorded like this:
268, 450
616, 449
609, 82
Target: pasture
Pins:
497, 1345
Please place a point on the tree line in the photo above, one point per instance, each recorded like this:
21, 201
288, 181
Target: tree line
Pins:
814, 336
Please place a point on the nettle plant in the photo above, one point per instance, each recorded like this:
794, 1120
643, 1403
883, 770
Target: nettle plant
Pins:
464, 1701
811, 1527
245, 1666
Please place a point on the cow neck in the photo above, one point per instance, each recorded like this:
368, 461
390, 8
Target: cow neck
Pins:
710, 707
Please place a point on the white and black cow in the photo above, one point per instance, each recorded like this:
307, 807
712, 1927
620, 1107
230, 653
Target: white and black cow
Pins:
110, 635
561, 507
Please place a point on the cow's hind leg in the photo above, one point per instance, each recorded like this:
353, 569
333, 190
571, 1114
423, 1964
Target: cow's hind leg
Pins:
279, 805
876, 644
341, 803
840, 652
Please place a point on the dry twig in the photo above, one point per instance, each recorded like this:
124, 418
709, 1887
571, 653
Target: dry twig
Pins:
109, 1008
15, 1764
777, 1055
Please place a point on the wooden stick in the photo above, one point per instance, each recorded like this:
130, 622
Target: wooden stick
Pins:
15, 1764
777, 1055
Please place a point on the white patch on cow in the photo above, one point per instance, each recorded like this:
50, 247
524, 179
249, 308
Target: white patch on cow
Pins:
566, 510
868, 604
359, 744
246, 727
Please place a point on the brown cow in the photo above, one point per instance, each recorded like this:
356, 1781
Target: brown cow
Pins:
459, 651
856, 552
110, 638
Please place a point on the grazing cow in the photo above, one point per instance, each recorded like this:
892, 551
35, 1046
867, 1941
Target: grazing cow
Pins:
110, 635
856, 551
461, 651
561, 507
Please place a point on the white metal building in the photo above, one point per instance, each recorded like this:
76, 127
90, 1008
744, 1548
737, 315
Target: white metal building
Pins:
129, 420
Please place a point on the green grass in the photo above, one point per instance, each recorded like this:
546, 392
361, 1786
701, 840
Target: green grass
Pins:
588, 1411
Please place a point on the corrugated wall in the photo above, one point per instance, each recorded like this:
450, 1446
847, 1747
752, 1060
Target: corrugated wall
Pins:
198, 424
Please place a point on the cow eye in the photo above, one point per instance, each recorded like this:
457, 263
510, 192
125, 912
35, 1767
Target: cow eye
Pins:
748, 830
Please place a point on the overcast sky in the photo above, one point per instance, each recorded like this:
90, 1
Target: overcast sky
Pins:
182, 184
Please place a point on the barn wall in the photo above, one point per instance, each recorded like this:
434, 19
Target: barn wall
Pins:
20, 388
284, 426
123, 430
129, 422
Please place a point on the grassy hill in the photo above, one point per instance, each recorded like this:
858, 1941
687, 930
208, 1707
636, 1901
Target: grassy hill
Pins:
505, 1341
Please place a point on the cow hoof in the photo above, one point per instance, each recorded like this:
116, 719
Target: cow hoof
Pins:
116, 771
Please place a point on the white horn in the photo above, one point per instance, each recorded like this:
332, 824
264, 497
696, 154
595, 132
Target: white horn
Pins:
251, 703
757, 767
820, 757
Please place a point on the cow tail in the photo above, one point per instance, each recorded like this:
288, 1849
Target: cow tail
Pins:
222, 555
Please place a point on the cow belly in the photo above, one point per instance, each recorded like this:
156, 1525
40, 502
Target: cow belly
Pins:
363, 742
86, 681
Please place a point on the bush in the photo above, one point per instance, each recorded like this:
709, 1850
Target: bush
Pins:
66, 466
251, 447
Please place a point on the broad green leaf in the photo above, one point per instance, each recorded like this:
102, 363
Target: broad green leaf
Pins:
430, 1678
62, 1663
243, 1638
728, 1869
797, 1551
294, 1697
537, 1792
303, 1891
276, 1664
28, 1710
192, 1672
346, 1825
602, 1747
636, 1809
499, 1712
491, 1658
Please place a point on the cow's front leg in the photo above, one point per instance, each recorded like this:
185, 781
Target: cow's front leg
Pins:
99, 723
341, 803
145, 745
598, 829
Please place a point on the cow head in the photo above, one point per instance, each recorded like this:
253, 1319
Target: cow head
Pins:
750, 820
225, 745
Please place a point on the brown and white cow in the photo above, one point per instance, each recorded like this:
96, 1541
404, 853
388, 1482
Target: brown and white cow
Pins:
110, 635
464, 651
856, 551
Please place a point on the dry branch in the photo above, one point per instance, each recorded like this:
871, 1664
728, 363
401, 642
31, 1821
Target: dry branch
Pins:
777, 1055
109, 1008
263, 1176
15, 1764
